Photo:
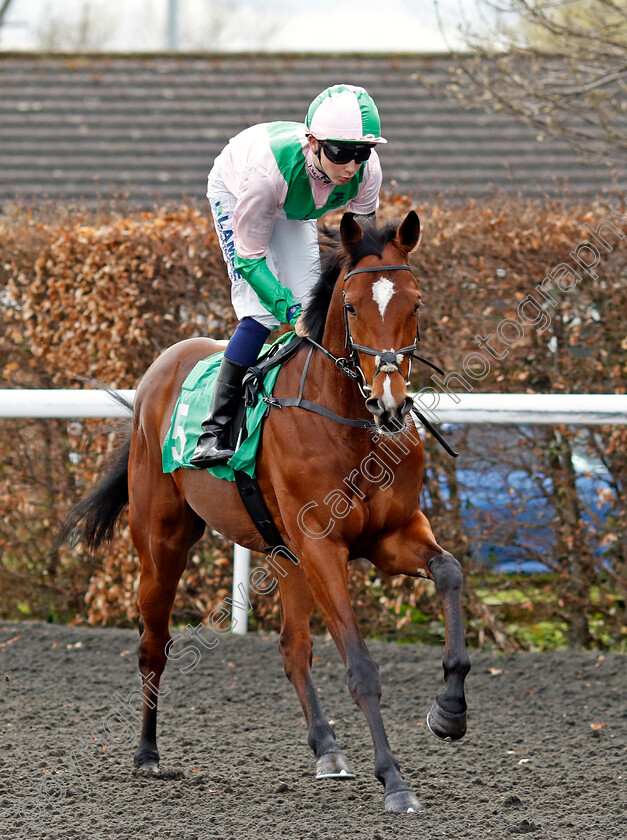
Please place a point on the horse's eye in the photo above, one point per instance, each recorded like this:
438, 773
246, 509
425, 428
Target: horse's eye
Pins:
417, 308
350, 309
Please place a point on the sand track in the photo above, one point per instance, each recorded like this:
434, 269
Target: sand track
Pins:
544, 755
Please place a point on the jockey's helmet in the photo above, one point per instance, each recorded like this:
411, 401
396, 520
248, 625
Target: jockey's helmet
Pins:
345, 113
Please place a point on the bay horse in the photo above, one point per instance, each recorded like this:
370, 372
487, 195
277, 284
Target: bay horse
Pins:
367, 300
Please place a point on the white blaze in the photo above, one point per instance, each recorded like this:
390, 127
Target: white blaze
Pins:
382, 292
389, 403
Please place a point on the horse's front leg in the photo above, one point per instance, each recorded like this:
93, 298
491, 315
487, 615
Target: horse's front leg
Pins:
413, 550
296, 648
326, 569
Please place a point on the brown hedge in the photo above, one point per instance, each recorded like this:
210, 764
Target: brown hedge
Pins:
100, 295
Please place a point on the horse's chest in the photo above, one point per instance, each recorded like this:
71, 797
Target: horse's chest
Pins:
388, 514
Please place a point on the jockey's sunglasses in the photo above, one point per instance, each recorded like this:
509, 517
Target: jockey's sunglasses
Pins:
345, 152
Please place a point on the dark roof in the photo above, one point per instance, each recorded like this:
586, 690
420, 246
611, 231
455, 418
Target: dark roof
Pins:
87, 127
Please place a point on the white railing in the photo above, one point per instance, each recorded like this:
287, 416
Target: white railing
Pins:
573, 409
61, 403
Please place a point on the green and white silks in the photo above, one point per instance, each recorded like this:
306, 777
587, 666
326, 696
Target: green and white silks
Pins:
268, 172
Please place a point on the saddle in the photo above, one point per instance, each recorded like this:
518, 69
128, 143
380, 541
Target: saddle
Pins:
245, 431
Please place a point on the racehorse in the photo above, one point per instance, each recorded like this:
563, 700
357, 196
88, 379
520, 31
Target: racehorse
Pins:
365, 304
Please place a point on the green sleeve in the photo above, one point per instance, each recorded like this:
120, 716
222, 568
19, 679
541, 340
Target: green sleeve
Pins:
275, 297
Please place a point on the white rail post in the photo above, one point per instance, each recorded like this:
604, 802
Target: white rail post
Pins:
241, 569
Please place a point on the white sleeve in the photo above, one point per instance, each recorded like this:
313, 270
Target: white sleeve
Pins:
367, 199
260, 197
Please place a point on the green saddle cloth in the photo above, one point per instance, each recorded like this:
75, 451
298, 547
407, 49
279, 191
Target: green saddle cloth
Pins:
192, 408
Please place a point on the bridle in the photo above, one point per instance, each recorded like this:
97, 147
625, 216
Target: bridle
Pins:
386, 360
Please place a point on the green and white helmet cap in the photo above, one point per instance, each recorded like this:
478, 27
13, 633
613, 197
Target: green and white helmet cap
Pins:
345, 113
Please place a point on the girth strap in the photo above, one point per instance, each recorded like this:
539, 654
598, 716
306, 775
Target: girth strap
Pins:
252, 499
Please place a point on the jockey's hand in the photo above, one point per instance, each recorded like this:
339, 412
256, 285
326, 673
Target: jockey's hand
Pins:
299, 327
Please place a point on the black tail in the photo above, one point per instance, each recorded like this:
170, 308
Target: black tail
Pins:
93, 519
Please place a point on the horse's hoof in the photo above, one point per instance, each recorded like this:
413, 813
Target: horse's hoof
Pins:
148, 771
333, 766
147, 761
403, 801
446, 725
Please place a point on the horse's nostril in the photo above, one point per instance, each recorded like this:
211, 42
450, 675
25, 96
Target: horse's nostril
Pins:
373, 404
377, 407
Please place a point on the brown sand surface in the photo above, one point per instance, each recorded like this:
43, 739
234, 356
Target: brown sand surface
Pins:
545, 754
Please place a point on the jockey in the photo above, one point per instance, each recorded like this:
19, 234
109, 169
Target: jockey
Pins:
266, 189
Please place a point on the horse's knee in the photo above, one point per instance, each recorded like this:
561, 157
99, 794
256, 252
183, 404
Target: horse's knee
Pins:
447, 573
152, 653
296, 653
363, 678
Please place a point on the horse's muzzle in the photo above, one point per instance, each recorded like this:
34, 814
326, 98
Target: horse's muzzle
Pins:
389, 419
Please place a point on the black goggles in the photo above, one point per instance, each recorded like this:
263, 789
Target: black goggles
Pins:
345, 152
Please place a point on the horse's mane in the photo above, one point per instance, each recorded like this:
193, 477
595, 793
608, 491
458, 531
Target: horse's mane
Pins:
333, 258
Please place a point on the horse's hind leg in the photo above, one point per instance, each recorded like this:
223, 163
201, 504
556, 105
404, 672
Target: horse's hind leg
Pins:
163, 528
296, 648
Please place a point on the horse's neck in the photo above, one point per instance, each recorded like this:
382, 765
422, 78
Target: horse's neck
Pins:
340, 394
334, 337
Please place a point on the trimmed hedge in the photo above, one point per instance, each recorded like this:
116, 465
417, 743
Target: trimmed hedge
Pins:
87, 294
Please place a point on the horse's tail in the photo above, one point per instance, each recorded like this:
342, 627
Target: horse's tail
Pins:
92, 520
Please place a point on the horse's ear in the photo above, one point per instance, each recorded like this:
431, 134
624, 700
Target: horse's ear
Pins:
408, 235
350, 232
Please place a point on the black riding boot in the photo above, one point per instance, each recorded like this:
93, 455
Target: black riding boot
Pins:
214, 446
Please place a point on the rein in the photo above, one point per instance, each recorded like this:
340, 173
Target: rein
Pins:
300, 402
